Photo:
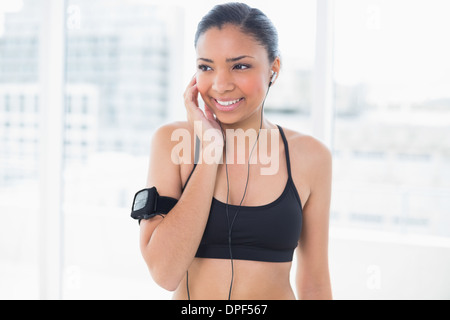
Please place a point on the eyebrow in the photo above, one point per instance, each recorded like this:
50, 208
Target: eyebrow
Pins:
228, 60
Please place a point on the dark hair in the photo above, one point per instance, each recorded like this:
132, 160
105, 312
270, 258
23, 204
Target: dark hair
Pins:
251, 20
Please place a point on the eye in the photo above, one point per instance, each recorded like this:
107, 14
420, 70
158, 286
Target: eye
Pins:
241, 66
204, 68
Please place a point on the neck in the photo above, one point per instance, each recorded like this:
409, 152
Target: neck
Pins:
242, 136
251, 123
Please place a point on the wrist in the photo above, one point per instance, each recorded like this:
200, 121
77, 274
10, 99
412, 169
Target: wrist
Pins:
210, 148
210, 154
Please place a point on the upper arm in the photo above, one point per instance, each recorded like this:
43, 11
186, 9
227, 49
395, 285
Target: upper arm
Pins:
163, 173
312, 252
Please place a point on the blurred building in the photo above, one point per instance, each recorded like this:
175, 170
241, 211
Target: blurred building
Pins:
19, 131
121, 50
392, 162
117, 82
120, 65
124, 51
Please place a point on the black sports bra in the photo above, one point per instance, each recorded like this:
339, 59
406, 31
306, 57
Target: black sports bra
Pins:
261, 233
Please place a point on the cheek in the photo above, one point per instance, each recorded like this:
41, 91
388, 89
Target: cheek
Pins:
252, 87
202, 86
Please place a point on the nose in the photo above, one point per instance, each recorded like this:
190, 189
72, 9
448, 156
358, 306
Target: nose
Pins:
223, 82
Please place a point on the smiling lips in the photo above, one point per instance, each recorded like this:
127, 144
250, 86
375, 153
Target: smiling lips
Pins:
229, 105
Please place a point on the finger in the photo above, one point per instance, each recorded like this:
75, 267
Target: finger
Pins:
192, 82
191, 97
194, 95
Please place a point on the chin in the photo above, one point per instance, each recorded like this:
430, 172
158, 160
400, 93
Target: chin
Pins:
227, 118
231, 119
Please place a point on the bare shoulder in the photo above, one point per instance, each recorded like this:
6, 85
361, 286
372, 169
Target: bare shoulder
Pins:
311, 162
164, 169
169, 138
307, 149
165, 132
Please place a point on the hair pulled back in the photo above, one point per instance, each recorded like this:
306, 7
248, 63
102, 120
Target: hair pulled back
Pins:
251, 21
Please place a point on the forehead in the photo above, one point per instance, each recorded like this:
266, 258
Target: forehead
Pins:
229, 42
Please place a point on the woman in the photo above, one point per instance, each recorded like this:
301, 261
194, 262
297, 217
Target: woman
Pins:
227, 211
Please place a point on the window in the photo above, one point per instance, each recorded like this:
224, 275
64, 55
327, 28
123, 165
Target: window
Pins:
118, 79
290, 100
392, 125
19, 131
126, 65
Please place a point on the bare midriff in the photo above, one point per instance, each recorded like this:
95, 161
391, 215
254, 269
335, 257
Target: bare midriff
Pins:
209, 279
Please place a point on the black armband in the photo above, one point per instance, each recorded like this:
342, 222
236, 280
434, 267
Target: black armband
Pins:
148, 203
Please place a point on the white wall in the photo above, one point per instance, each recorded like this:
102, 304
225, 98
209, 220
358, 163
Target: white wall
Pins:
377, 265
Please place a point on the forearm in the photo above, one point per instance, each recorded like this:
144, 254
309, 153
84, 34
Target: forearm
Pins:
173, 245
316, 292
313, 279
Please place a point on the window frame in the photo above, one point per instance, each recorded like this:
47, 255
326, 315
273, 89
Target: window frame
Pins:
51, 128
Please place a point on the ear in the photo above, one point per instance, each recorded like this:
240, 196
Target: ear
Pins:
276, 67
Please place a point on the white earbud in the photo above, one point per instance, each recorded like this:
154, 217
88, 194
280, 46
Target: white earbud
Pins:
274, 76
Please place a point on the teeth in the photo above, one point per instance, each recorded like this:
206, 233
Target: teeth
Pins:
227, 103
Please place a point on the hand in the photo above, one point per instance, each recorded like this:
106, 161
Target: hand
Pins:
195, 115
